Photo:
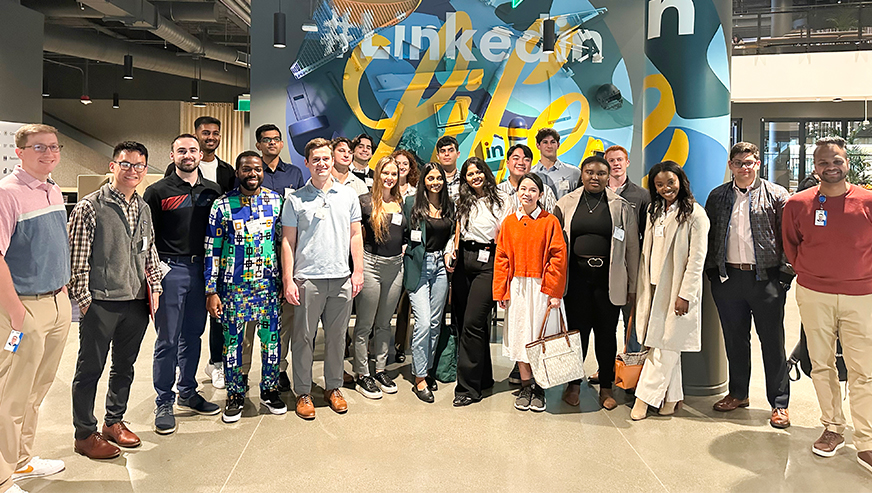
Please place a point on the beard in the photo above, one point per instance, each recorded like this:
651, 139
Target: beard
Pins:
832, 179
188, 166
247, 187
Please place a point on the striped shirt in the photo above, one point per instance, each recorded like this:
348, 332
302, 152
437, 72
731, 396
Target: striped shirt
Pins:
33, 233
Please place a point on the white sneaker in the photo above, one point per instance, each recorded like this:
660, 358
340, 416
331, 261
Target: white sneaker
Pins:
15, 489
38, 468
216, 374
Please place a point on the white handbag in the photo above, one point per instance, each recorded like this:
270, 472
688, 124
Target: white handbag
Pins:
556, 359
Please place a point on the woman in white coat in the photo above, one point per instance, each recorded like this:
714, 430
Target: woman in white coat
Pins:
669, 287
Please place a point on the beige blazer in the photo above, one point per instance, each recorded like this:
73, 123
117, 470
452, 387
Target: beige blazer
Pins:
683, 259
624, 256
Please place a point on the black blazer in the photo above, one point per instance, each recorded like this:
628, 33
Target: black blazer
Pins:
226, 175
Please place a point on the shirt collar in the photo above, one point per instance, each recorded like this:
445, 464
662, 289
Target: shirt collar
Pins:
535, 214
756, 184
120, 196
179, 181
32, 182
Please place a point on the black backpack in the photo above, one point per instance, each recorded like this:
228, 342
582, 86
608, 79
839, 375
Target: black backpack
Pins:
799, 359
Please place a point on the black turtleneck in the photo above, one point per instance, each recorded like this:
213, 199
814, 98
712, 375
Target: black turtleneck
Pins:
590, 233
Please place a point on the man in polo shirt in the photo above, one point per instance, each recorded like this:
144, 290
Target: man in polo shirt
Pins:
34, 307
321, 226
180, 205
361, 148
828, 240
115, 267
447, 153
562, 177
208, 132
278, 176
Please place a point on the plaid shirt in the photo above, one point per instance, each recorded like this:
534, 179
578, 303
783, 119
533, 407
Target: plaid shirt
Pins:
766, 205
83, 222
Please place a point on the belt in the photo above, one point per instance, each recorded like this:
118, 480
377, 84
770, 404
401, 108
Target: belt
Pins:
43, 295
741, 266
470, 245
191, 259
595, 262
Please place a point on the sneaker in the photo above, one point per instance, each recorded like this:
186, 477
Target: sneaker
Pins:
233, 408
199, 405
515, 376
273, 401
164, 419
537, 400
15, 489
828, 444
38, 468
215, 372
367, 387
522, 403
386, 383
865, 459
284, 382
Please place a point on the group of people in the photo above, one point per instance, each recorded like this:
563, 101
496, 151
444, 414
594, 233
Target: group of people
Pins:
264, 247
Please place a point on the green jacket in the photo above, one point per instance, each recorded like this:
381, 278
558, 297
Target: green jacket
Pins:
413, 260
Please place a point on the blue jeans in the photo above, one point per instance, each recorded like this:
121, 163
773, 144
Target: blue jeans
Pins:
428, 303
180, 322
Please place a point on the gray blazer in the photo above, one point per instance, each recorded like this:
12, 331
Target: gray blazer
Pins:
624, 256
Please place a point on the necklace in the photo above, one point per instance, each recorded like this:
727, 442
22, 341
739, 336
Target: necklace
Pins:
589, 210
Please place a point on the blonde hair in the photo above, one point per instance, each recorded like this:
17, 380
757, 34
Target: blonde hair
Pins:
26, 131
377, 219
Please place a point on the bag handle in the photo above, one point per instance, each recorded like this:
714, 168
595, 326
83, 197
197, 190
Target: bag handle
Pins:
628, 325
562, 323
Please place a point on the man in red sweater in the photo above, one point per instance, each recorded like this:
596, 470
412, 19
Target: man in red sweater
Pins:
827, 234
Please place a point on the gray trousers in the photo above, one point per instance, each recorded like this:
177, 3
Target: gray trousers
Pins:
328, 301
376, 303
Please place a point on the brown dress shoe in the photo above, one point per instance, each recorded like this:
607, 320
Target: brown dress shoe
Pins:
780, 418
570, 394
336, 401
121, 435
606, 400
96, 447
730, 403
305, 408
828, 444
865, 459
593, 379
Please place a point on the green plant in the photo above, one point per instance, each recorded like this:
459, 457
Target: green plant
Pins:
858, 161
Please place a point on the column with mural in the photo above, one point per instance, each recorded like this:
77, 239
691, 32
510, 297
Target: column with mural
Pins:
687, 120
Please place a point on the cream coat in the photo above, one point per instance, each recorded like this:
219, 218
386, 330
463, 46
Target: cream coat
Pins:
683, 259
624, 256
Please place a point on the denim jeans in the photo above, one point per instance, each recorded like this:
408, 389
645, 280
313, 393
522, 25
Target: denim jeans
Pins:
428, 302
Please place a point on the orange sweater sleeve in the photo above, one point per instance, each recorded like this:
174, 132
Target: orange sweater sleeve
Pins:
503, 262
555, 261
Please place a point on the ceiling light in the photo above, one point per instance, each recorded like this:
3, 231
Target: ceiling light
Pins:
128, 67
116, 100
85, 100
548, 36
310, 27
195, 89
279, 24
199, 104
837, 100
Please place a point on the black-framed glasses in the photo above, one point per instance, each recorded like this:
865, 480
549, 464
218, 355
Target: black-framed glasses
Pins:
41, 148
269, 140
742, 164
138, 166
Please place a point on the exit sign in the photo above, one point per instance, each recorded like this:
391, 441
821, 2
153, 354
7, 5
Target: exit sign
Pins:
243, 102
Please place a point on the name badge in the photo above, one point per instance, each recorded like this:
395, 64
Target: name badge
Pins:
563, 185
416, 235
13, 342
396, 219
483, 256
619, 234
321, 214
820, 217
368, 182
658, 230
288, 191
144, 243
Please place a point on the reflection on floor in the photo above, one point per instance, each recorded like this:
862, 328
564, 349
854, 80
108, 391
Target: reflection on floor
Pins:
399, 443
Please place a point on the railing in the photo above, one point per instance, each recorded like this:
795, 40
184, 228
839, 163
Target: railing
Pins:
839, 27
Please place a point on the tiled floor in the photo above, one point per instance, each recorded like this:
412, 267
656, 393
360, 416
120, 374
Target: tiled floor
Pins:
401, 444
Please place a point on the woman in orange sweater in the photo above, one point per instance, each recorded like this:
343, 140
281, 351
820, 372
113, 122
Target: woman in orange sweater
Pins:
529, 276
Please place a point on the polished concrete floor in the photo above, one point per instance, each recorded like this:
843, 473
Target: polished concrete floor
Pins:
401, 444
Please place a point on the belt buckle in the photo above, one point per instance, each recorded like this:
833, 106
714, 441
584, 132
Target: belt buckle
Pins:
595, 262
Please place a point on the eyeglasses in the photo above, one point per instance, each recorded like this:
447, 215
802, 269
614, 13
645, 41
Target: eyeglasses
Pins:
138, 166
41, 148
742, 164
269, 140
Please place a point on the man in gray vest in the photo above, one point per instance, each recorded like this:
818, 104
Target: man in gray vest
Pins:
116, 283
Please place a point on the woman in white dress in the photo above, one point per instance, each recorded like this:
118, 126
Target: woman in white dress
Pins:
669, 287
529, 277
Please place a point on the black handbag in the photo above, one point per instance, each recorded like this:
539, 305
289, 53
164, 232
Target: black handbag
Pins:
799, 359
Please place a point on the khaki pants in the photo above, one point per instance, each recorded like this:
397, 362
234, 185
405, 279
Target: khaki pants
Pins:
824, 315
27, 374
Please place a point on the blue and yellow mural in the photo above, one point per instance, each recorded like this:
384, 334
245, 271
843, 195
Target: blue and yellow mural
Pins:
410, 72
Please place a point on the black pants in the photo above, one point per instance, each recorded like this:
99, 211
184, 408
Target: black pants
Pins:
738, 299
216, 341
404, 311
472, 302
588, 308
122, 325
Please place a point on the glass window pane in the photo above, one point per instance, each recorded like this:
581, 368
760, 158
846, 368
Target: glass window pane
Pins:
781, 153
